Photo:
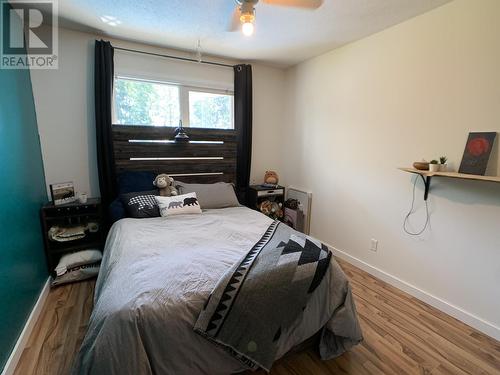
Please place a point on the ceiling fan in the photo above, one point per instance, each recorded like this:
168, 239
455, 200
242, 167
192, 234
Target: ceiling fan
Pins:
244, 14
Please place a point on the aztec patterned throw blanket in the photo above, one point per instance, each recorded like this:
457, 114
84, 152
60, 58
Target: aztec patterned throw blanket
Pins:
263, 295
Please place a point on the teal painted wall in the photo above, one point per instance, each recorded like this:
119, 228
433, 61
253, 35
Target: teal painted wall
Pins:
22, 191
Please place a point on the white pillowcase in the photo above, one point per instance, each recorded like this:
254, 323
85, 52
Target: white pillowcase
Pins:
178, 204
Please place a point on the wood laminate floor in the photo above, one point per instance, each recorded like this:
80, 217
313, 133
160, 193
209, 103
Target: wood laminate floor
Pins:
402, 336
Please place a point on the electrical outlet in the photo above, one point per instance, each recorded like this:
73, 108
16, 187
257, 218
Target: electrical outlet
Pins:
374, 245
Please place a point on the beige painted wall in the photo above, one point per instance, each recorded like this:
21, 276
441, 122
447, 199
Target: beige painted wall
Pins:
340, 125
412, 91
64, 101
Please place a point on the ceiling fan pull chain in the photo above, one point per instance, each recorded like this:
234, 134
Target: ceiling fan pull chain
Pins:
198, 51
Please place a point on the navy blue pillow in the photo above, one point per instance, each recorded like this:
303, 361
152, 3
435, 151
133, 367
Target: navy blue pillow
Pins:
117, 210
129, 182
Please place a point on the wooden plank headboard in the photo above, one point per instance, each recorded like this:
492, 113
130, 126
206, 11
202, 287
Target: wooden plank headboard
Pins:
210, 156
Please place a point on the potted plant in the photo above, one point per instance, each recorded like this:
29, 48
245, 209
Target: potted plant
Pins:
433, 166
442, 163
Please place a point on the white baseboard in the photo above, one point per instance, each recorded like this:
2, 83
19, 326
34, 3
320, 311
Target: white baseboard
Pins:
14, 357
481, 325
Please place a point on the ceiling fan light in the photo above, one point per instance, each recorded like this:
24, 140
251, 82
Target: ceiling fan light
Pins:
247, 28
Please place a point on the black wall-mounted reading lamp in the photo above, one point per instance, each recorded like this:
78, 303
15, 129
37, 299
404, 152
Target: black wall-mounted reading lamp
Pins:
180, 134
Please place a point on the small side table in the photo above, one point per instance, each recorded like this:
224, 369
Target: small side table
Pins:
258, 194
72, 215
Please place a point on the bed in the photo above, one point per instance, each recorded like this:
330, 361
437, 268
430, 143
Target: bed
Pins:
157, 274
160, 277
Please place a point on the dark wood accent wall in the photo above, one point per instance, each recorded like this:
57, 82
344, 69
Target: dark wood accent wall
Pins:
209, 157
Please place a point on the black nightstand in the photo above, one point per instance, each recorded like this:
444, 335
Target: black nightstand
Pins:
71, 215
258, 194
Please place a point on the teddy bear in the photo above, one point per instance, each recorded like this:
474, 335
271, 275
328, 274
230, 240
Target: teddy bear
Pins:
271, 178
165, 184
272, 209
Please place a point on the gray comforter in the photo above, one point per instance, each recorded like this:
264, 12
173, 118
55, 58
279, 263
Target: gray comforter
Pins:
155, 278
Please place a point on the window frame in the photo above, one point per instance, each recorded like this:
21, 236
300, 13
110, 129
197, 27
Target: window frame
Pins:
184, 90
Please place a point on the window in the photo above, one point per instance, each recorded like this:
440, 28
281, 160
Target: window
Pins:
209, 110
146, 103
141, 102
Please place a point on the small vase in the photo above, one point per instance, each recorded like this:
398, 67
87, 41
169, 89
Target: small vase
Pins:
443, 167
433, 167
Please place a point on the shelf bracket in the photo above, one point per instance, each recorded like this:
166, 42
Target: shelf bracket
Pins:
427, 184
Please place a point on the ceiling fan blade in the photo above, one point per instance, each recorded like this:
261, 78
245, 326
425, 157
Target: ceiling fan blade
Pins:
309, 4
235, 23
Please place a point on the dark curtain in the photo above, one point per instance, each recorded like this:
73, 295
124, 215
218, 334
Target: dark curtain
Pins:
103, 80
243, 126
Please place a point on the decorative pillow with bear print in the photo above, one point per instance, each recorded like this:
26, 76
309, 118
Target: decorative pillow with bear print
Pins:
178, 204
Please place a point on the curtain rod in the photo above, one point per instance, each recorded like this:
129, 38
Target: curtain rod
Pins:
175, 57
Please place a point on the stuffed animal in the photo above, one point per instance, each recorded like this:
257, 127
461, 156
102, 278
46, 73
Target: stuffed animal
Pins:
271, 177
165, 184
272, 209
265, 207
292, 203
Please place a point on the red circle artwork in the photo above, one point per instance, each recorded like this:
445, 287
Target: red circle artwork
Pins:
478, 146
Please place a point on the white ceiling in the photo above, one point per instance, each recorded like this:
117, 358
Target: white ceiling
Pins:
283, 36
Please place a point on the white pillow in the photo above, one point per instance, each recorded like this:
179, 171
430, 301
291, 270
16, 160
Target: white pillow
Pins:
77, 259
178, 204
